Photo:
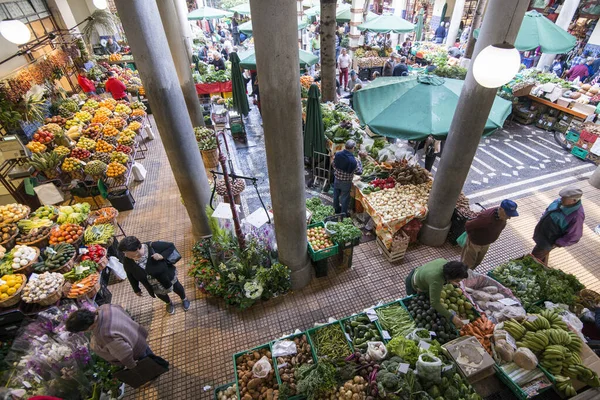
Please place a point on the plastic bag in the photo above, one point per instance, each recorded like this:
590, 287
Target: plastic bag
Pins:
376, 350
419, 334
567, 316
429, 368
115, 265
262, 368
386, 154
284, 348
462, 239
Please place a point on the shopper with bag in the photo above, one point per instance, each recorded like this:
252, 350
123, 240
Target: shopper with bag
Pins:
153, 265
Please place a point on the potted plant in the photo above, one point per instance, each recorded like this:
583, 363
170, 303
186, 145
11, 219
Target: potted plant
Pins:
207, 143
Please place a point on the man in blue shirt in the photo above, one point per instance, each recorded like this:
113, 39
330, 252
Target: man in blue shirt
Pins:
345, 166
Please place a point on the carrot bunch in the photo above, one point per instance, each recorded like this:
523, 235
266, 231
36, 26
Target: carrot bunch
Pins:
483, 329
83, 286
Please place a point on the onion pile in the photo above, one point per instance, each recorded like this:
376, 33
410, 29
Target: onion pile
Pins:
401, 201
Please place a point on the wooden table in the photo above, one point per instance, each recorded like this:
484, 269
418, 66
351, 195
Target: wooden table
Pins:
557, 107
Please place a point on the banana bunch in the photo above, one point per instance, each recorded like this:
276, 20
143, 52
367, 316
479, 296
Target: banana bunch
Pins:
555, 358
583, 374
555, 320
576, 343
564, 385
558, 336
516, 330
44, 161
537, 324
27, 225
534, 341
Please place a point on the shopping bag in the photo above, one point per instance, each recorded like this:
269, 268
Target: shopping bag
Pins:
115, 265
462, 239
146, 370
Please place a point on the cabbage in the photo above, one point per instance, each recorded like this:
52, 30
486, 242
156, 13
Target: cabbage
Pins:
62, 217
66, 209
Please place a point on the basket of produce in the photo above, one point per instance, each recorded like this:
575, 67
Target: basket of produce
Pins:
48, 212
12, 213
329, 340
426, 317
69, 233
99, 234
395, 319
95, 253
45, 290
226, 392
361, 330
75, 214
320, 245
11, 287
9, 236
56, 258
22, 259
288, 365
37, 237
96, 169
248, 384
106, 215
588, 298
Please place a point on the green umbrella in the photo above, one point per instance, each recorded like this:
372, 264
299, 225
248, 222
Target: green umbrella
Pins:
208, 13
387, 23
311, 12
240, 100
419, 27
248, 59
343, 14
241, 9
537, 30
314, 130
414, 108
311, 3
246, 27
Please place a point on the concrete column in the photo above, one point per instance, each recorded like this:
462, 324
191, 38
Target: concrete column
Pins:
356, 18
186, 30
300, 13
436, 14
61, 11
173, 31
477, 20
564, 19
399, 7
282, 123
328, 61
472, 111
595, 178
457, 14
145, 33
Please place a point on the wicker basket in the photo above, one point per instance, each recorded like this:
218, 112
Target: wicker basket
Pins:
589, 298
3, 224
94, 215
9, 243
68, 265
40, 243
28, 269
16, 297
53, 298
210, 158
89, 294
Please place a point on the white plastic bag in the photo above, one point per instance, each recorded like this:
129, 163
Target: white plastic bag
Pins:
414, 336
284, 348
430, 371
376, 350
262, 368
49, 194
139, 172
115, 265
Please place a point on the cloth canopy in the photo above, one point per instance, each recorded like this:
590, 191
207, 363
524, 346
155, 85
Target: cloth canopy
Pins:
241, 9
314, 130
387, 23
208, 13
413, 108
240, 99
248, 59
343, 13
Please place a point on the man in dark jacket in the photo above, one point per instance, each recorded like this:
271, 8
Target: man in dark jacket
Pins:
146, 263
561, 225
484, 230
345, 166
440, 33
401, 69
388, 67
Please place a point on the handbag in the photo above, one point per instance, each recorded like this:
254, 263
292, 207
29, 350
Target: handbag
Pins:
146, 370
172, 258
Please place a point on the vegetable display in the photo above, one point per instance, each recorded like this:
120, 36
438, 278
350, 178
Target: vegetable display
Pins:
75, 214
330, 342
54, 257
395, 319
22, 256
94, 253
43, 286
83, 286
361, 330
404, 348
354, 389
318, 209
318, 239
453, 299
34, 235
426, 317
82, 270
98, 234
400, 202
288, 365
229, 393
345, 231
251, 387
69, 233
12, 213
8, 231
482, 329
48, 212
316, 381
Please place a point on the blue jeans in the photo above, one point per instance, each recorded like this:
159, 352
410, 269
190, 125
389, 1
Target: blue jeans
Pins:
341, 193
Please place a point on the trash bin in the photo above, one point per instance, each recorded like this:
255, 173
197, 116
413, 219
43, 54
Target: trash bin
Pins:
122, 201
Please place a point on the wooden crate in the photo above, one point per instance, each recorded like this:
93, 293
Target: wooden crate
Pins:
391, 256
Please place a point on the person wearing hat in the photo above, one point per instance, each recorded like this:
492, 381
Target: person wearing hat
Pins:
484, 230
354, 80
345, 166
561, 224
388, 67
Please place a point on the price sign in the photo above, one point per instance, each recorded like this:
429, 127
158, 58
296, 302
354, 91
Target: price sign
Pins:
372, 315
348, 337
465, 321
432, 334
424, 345
508, 301
403, 368
385, 335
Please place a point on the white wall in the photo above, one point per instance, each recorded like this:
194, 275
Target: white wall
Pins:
595, 37
8, 49
81, 9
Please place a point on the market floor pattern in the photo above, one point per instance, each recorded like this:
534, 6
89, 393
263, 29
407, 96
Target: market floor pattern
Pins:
200, 343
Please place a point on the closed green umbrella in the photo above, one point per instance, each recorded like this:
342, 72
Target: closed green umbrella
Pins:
387, 23
414, 108
208, 13
246, 27
537, 30
314, 130
419, 26
240, 100
241, 9
248, 59
343, 14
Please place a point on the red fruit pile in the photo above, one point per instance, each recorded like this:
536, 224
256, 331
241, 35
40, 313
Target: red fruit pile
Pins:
124, 149
81, 154
95, 253
43, 136
388, 183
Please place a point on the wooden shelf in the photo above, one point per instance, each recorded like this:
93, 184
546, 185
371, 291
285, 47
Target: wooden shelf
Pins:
557, 107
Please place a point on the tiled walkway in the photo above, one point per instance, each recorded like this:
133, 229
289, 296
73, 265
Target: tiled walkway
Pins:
199, 344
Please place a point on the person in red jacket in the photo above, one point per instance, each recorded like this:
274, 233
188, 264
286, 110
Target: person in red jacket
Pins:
115, 87
86, 84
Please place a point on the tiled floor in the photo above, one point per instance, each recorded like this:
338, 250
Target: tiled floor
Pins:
199, 344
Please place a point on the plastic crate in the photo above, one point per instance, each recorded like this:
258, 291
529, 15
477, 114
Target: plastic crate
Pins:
353, 317
221, 388
321, 254
236, 355
312, 332
579, 152
516, 389
398, 302
572, 136
588, 137
312, 350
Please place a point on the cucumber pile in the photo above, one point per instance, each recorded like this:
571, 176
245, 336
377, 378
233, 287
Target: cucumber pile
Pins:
361, 330
54, 257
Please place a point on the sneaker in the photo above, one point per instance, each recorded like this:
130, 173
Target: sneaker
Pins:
170, 308
186, 305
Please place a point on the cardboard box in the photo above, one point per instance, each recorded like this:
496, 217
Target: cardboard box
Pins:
473, 361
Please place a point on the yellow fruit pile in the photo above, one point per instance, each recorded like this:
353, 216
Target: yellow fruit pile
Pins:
103, 111
134, 126
73, 122
127, 138
110, 130
62, 151
11, 285
104, 147
93, 104
83, 116
71, 164
108, 103
115, 57
100, 118
86, 143
122, 109
138, 112
119, 157
142, 91
117, 122
93, 130
115, 169
36, 147
12, 213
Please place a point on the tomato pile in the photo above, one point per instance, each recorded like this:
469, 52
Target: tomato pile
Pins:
66, 233
43, 136
318, 239
388, 183
95, 253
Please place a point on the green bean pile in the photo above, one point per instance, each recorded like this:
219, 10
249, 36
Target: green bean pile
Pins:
396, 320
331, 342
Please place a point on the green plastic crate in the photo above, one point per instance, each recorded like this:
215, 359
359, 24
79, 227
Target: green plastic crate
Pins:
409, 298
516, 389
311, 333
236, 355
312, 350
572, 136
221, 388
387, 305
353, 317
579, 152
321, 254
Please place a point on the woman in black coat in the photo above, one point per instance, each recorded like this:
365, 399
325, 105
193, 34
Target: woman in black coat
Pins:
146, 263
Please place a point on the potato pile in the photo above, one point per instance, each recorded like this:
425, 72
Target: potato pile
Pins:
45, 285
406, 174
401, 201
463, 207
354, 389
12, 213
7, 232
290, 363
228, 394
252, 388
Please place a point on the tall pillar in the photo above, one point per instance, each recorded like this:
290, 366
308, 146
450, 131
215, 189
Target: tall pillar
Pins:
328, 61
436, 15
356, 18
399, 7
300, 13
564, 19
186, 31
467, 126
457, 14
477, 20
61, 11
145, 33
282, 123
173, 31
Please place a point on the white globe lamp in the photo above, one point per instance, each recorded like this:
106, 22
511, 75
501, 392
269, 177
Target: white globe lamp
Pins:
15, 31
496, 65
100, 4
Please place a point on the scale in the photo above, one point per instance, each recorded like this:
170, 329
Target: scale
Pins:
11, 148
